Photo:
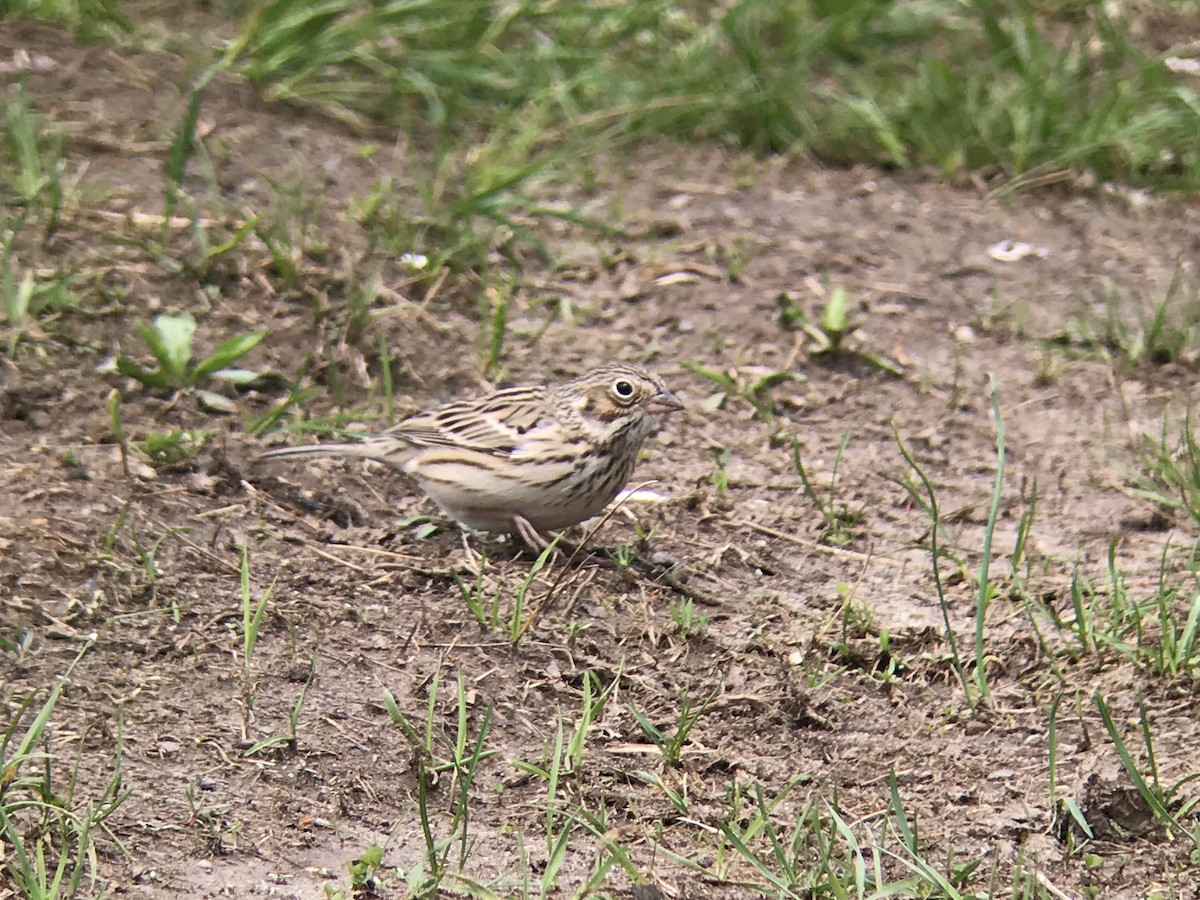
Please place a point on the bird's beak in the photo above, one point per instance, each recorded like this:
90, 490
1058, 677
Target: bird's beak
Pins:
664, 401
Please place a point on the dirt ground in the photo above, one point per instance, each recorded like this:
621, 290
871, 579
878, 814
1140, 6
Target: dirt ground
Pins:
827, 664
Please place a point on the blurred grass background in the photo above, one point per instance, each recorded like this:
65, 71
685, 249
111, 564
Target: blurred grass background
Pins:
1008, 90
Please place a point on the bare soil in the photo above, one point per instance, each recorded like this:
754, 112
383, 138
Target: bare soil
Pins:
801, 632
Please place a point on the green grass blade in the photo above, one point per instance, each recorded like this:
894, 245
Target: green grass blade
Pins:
1152, 798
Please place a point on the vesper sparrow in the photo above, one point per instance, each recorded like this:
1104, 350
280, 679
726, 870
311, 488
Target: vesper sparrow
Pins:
524, 459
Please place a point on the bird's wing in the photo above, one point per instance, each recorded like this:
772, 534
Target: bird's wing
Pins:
496, 424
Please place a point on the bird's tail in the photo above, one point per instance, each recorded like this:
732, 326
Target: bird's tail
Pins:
382, 450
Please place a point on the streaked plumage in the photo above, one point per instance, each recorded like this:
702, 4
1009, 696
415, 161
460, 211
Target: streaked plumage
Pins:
524, 459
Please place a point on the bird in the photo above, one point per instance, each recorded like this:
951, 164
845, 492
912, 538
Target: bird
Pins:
526, 460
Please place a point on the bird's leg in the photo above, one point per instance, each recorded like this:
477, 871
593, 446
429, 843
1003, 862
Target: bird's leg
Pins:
534, 538
475, 559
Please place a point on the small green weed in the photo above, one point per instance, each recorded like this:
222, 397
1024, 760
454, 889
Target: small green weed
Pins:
720, 474
829, 334
24, 296
31, 158
645, 535
362, 870
17, 641
183, 146
751, 386
167, 449
211, 820
593, 701
289, 739
493, 318
840, 521
792, 314
671, 745
290, 230
170, 342
835, 325
486, 613
987, 589
689, 623
623, 554
297, 396
252, 618
516, 624
924, 497
26, 300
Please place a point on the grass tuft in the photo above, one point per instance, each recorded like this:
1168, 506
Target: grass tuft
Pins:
49, 834
1169, 477
994, 86
89, 19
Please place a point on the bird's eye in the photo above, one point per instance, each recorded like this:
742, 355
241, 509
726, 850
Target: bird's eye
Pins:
623, 389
